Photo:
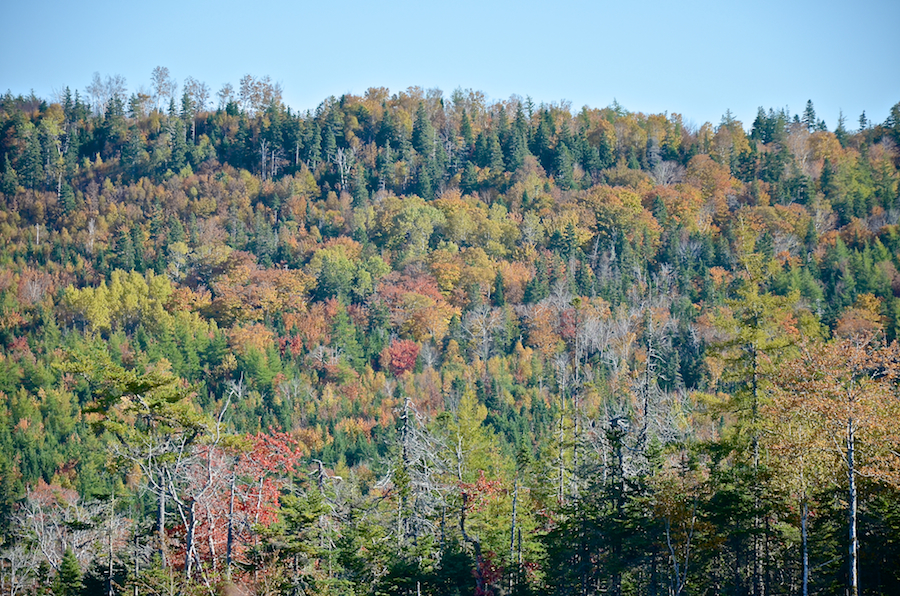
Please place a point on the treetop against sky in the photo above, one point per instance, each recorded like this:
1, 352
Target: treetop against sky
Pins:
698, 59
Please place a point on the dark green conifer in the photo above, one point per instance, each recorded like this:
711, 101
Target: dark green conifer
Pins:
10, 181
68, 577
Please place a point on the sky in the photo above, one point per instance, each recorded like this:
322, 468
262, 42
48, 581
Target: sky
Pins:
697, 58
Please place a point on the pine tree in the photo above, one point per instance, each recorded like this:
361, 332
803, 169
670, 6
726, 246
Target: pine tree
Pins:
124, 250
344, 336
10, 181
31, 172
496, 160
499, 289
9, 485
469, 179
809, 117
465, 130
840, 131
360, 192
565, 167
329, 142
137, 243
423, 132
424, 187
68, 577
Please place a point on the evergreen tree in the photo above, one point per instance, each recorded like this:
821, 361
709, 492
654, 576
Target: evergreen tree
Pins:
137, 243
496, 159
840, 131
423, 132
543, 138
344, 337
360, 192
314, 147
499, 289
809, 117
538, 287
465, 130
329, 142
68, 577
10, 489
31, 172
424, 188
124, 255
759, 129
10, 181
484, 147
387, 131
565, 167
758, 341
469, 180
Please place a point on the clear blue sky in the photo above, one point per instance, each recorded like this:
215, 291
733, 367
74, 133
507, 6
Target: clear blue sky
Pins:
694, 57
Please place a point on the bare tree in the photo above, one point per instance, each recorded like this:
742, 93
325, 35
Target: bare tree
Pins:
344, 160
480, 324
257, 94
18, 564
198, 94
415, 477
667, 173
54, 519
102, 91
164, 86
225, 95
96, 92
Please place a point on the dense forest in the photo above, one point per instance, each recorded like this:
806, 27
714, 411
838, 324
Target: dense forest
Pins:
416, 344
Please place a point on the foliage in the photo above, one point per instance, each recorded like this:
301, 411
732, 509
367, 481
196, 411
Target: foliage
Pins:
414, 344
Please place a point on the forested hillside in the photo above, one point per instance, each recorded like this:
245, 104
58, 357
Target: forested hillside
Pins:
411, 343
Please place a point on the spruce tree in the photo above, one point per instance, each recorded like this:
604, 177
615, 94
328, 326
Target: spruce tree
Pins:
124, 250
68, 577
840, 131
425, 189
469, 180
809, 116
10, 181
423, 132
465, 130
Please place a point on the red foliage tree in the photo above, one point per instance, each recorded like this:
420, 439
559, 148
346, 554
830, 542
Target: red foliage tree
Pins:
237, 490
401, 356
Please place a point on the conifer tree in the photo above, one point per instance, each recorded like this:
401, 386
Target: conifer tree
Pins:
10, 180
68, 576
809, 117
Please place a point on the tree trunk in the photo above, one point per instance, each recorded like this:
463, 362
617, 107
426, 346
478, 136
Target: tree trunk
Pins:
476, 545
189, 540
230, 541
512, 531
759, 588
854, 540
561, 472
161, 523
137, 568
804, 516
109, 580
